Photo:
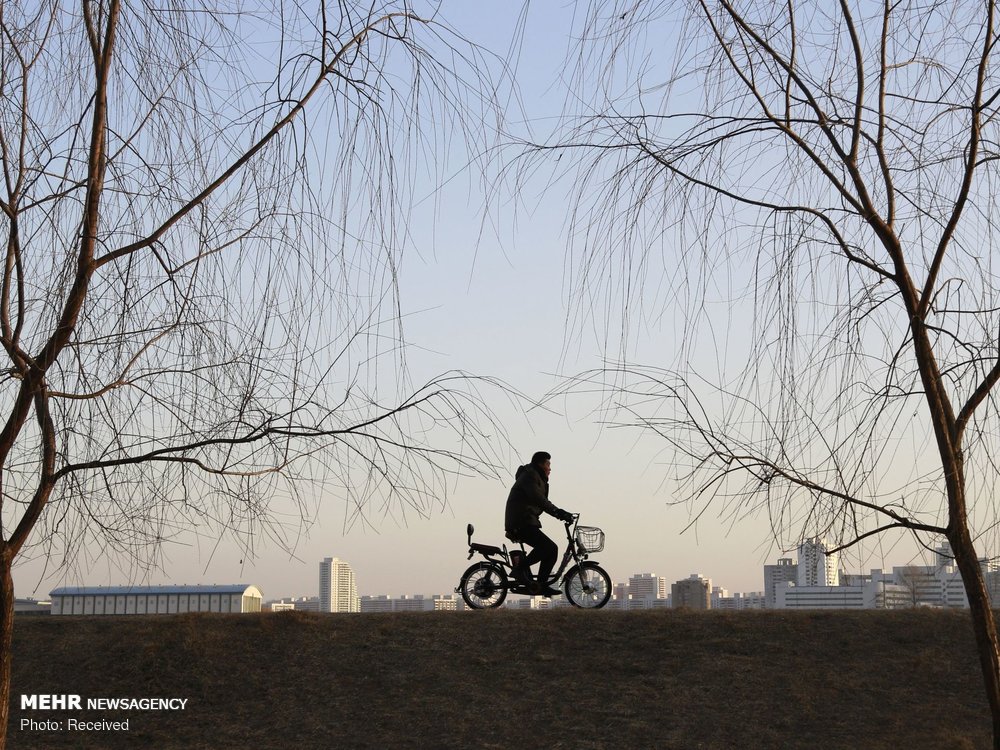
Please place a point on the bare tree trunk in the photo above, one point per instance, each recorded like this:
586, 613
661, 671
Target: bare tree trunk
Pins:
983, 620
6, 636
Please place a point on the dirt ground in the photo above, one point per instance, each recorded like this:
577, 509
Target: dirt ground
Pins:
505, 679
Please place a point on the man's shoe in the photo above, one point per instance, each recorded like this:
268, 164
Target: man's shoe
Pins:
548, 591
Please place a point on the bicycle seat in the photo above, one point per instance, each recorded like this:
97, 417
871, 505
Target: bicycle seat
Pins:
486, 549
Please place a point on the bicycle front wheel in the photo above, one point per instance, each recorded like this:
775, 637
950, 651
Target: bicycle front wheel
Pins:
483, 586
587, 586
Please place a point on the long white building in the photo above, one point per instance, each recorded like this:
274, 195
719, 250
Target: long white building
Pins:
868, 595
337, 589
154, 600
416, 603
298, 604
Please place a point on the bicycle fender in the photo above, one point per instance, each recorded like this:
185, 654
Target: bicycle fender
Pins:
575, 568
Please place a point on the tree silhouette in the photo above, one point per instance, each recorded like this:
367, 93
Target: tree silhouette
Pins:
204, 210
823, 174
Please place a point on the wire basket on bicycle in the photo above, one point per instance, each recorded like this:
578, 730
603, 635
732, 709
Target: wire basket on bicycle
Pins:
589, 539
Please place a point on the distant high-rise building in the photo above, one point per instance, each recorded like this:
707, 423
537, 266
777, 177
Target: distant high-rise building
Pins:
816, 567
337, 590
775, 575
694, 592
647, 586
943, 557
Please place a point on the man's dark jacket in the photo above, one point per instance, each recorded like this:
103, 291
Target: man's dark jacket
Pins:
528, 498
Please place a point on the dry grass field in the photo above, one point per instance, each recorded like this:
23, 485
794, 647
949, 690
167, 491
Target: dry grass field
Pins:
561, 679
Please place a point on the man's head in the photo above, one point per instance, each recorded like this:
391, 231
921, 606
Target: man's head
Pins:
543, 462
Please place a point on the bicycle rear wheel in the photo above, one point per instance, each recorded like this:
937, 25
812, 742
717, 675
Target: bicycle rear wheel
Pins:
483, 586
587, 586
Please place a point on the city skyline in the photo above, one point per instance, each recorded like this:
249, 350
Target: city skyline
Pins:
812, 580
812, 567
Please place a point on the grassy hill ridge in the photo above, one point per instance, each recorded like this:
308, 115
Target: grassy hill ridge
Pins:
560, 679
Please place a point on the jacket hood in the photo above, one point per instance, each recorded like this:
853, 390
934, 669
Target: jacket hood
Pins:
529, 467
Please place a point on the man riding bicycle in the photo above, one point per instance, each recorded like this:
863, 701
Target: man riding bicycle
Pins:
528, 498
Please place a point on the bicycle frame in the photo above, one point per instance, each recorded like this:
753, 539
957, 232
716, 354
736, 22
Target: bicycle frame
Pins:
500, 556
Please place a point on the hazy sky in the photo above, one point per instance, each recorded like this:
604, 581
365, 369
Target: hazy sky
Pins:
496, 303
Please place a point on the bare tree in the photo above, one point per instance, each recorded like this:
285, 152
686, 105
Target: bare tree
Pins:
204, 209
914, 579
824, 175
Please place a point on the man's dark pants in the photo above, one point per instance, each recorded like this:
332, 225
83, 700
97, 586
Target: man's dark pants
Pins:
543, 551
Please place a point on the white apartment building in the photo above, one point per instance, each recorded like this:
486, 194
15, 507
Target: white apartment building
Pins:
412, 604
447, 603
530, 602
931, 585
815, 566
906, 586
737, 601
643, 602
380, 603
647, 586
643, 591
751, 600
337, 589
720, 594
921, 583
953, 591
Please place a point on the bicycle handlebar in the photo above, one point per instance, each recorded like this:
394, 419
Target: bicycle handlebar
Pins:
574, 517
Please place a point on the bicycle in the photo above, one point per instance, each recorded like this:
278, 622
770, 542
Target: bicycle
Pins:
587, 585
